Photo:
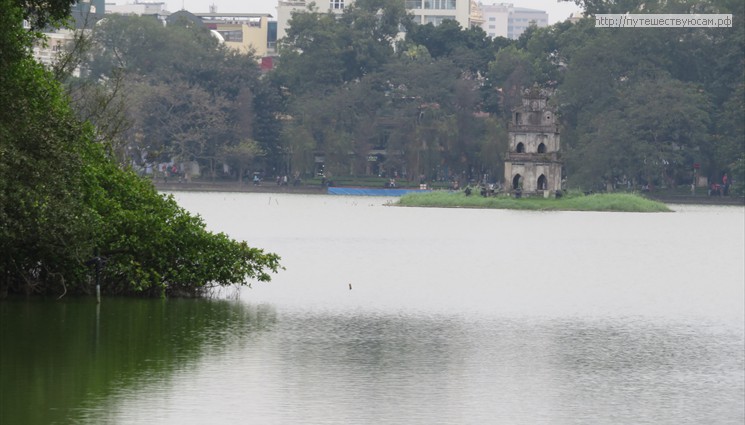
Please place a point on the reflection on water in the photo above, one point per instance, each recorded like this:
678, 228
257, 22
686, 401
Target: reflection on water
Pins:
329, 368
455, 317
59, 356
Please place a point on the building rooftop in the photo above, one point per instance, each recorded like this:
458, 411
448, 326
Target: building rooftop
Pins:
233, 15
526, 10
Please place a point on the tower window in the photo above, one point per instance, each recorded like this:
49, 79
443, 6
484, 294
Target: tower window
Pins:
516, 181
542, 182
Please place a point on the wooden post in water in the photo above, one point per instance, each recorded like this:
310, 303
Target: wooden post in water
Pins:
97, 259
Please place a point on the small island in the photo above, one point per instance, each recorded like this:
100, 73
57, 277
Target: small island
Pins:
533, 169
619, 202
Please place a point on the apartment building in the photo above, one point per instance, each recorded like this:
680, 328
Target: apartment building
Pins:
138, 8
243, 32
84, 14
424, 11
506, 20
56, 44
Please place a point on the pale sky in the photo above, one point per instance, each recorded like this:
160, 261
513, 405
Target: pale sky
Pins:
557, 11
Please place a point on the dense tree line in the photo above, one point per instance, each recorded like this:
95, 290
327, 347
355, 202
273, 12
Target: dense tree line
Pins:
636, 105
182, 95
646, 104
65, 202
419, 100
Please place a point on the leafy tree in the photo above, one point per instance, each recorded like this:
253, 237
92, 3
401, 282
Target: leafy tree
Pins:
40, 13
471, 48
510, 71
650, 134
310, 53
321, 52
240, 156
62, 198
188, 95
267, 108
183, 120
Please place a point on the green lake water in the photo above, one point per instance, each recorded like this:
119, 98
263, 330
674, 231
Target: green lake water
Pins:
61, 359
388, 315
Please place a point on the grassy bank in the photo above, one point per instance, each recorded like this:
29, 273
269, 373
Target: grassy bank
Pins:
623, 202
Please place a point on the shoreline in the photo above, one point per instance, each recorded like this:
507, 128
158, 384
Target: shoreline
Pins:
321, 190
236, 187
698, 200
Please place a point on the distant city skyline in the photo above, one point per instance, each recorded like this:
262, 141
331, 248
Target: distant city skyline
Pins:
557, 10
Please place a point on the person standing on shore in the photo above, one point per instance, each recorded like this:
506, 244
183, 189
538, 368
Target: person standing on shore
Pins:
725, 184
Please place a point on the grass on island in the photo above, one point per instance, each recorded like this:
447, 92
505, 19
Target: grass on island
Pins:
621, 202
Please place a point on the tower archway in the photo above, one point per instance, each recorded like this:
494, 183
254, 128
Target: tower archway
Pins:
520, 148
516, 181
542, 182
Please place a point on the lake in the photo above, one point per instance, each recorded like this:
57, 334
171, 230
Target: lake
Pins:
409, 316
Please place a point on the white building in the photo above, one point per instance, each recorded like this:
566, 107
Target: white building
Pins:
424, 11
506, 20
138, 8
56, 44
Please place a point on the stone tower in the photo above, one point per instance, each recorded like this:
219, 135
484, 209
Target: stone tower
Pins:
533, 162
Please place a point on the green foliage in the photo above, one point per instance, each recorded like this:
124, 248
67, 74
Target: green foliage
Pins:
648, 103
240, 156
650, 132
321, 52
187, 96
511, 71
470, 48
153, 246
640, 104
621, 202
40, 13
738, 176
62, 199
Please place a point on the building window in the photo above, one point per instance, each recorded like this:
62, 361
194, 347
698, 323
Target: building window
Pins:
439, 4
491, 27
492, 19
413, 4
337, 4
232, 36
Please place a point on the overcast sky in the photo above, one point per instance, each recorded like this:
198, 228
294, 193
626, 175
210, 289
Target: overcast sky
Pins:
557, 11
